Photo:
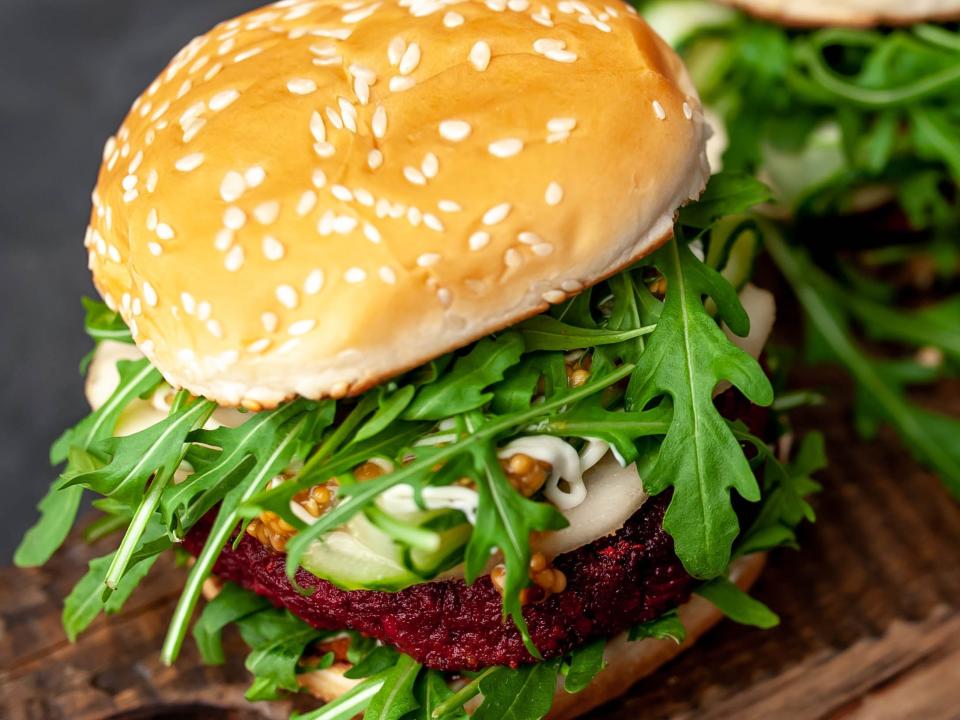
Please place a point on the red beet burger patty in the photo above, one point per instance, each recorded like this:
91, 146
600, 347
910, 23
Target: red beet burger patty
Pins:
612, 584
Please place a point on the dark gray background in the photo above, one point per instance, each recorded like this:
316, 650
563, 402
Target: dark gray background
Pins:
69, 70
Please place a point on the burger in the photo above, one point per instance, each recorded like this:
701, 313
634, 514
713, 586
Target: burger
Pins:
847, 110
417, 345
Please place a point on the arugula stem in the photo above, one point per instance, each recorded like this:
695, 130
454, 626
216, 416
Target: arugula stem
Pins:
343, 431
462, 696
796, 268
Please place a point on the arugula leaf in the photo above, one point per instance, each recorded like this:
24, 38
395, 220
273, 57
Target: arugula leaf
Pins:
391, 407
102, 323
688, 356
277, 640
546, 333
396, 697
432, 691
733, 602
374, 662
86, 600
349, 705
58, 509
462, 388
727, 193
226, 521
584, 665
666, 627
522, 694
504, 521
921, 430
232, 604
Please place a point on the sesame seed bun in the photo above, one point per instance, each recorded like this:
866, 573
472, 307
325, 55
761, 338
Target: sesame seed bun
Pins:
317, 196
851, 13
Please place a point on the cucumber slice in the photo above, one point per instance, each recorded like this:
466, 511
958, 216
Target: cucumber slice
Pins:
450, 552
362, 559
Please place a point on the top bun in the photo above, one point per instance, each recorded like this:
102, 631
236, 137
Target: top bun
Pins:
317, 196
852, 13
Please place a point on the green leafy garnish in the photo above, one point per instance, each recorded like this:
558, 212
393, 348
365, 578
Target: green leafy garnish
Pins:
666, 627
733, 602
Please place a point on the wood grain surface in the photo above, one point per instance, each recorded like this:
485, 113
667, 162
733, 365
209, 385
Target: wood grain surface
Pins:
870, 612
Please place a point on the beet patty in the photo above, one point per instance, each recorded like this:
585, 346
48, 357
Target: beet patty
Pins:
612, 583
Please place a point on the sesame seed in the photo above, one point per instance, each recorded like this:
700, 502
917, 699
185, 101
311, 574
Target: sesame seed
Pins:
307, 202
505, 148
325, 226
364, 197
561, 124
317, 128
272, 248
659, 111
687, 111
314, 282
554, 297
232, 187
267, 213
324, 50
223, 100
287, 296
543, 249
362, 90
335, 33
319, 179
518, 5
255, 176
234, 218
301, 86
379, 122
414, 216
153, 219
247, 54
410, 59
496, 5
430, 165
479, 240
234, 259
355, 275
452, 20
454, 130
554, 194
223, 240
344, 224
269, 321
130, 182
449, 206
382, 208
562, 56
557, 137
480, 55
414, 176
349, 113
428, 260
113, 253
324, 149
189, 163
388, 275
203, 310
399, 83
362, 72
156, 249
374, 159
545, 45
341, 193
512, 258
371, 233
334, 117
395, 50
433, 222
188, 302
496, 214
529, 238
361, 14
165, 232
571, 286
193, 130
258, 346
150, 295
301, 327
152, 179
214, 328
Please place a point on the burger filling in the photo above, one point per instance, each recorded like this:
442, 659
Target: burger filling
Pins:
496, 514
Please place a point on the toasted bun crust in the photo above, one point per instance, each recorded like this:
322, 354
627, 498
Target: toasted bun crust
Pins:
627, 662
852, 13
317, 196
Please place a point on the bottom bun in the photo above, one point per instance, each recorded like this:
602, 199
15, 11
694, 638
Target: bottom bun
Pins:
626, 661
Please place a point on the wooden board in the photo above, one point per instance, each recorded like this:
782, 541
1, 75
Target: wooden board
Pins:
870, 614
